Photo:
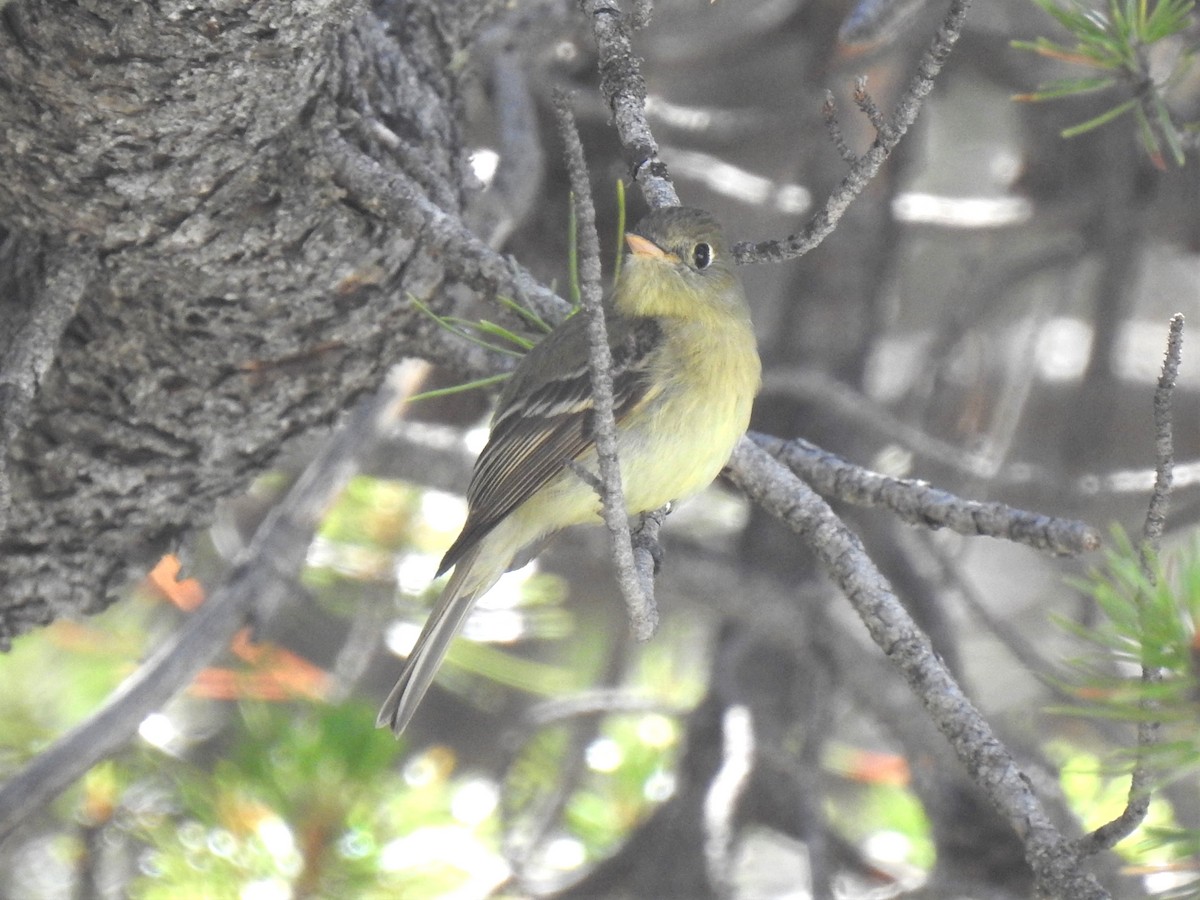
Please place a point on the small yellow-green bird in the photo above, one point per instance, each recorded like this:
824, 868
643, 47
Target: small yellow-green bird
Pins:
685, 372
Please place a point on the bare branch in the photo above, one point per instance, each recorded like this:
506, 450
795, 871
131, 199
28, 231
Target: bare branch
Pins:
866, 103
989, 762
1149, 729
624, 89
643, 614
1164, 445
919, 503
834, 127
395, 197
647, 551
864, 169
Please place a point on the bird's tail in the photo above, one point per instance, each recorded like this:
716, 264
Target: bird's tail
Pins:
426, 656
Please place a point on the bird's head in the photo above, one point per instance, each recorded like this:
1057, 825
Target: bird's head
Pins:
678, 265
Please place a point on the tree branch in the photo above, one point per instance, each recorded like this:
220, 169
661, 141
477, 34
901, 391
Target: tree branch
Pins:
918, 503
822, 223
1149, 729
841, 554
395, 197
643, 614
624, 89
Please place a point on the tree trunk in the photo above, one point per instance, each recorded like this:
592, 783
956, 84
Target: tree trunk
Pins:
185, 285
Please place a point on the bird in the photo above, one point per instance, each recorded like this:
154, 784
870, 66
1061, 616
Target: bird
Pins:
685, 373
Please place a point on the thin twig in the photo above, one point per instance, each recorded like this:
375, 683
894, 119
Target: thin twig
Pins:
643, 614
1164, 446
1149, 729
921, 504
905, 113
624, 90
991, 765
647, 551
866, 103
834, 127
641, 14
396, 198
254, 588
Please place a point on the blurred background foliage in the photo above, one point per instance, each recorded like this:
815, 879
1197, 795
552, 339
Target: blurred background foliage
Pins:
266, 782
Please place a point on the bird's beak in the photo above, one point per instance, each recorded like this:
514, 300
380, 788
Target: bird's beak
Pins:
647, 249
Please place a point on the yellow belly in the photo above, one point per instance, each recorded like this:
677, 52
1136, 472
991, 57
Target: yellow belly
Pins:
674, 445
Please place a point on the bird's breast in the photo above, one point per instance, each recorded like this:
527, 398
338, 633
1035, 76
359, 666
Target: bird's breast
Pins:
681, 438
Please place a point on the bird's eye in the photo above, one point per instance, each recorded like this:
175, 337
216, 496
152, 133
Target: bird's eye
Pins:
702, 255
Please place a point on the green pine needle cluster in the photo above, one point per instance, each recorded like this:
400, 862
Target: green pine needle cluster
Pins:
1115, 44
1150, 621
493, 336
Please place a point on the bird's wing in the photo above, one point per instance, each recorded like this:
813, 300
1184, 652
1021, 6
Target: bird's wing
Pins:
538, 430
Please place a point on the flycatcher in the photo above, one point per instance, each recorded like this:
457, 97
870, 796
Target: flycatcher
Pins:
685, 372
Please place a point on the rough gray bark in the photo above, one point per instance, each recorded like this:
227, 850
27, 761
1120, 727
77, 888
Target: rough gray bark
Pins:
185, 286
